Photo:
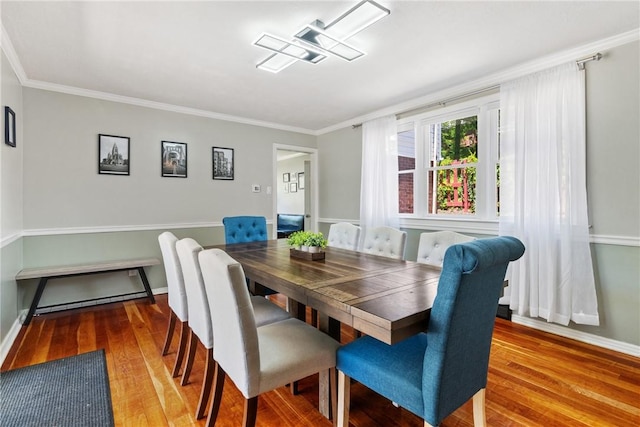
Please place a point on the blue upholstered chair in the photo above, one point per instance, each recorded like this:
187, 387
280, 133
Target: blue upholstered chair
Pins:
432, 374
243, 229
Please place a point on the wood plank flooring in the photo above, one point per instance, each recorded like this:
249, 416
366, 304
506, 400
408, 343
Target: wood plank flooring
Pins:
535, 378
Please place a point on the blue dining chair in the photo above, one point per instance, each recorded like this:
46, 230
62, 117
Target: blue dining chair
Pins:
433, 373
246, 229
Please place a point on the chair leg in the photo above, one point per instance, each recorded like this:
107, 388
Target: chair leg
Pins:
250, 412
479, 414
170, 328
207, 381
333, 387
184, 332
218, 386
191, 354
344, 397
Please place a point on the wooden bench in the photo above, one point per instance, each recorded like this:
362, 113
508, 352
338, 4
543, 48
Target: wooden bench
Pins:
56, 272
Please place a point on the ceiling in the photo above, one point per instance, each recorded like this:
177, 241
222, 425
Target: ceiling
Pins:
199, 55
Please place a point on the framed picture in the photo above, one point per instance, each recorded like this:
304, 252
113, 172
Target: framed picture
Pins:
286, 177
294, 177
301, 180
174, 159
293, 188
222, 163
113, 155
9, 126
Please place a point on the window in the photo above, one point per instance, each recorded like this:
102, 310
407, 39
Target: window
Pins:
448, 162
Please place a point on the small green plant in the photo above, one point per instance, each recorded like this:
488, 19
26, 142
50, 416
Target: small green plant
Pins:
297, 238
316, 239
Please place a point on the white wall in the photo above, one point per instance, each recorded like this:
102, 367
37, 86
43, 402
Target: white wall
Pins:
291, 202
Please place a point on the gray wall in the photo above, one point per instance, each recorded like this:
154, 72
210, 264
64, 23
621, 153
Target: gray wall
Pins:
613, 179
10, 201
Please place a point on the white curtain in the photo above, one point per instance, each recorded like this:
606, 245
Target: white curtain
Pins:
543, 195
379, 180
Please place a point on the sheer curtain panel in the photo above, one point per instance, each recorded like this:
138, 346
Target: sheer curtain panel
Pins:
379, 181
543, 195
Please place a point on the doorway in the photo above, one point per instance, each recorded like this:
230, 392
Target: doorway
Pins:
294, 184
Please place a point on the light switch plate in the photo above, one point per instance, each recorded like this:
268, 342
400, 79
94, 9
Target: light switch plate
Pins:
255, 188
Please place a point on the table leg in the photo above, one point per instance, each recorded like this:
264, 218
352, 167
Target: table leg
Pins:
331, 327
145, 283
36, 300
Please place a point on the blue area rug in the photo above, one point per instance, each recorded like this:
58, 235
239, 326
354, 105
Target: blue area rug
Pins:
73, 391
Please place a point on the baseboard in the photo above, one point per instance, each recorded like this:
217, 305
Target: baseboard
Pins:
8, 341
608, 343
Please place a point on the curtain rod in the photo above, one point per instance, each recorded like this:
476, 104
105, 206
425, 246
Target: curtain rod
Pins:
580, 63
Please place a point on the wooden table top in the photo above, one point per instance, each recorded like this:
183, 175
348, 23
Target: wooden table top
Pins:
386, 298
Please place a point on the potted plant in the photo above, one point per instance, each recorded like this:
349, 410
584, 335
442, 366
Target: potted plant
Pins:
297, 239
316, 242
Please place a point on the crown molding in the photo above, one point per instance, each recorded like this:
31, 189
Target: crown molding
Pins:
496, 78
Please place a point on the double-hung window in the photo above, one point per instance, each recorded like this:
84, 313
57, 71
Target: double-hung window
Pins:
448, 162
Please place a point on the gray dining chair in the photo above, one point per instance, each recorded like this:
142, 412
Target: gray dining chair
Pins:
177, 298
200, 316
385, 241
344, 235
433, 245
256, 358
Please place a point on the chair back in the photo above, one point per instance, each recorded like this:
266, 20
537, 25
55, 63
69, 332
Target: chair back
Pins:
385, 241
344, 235
461, 323
199, 313
433, 246
233, 321
175, 282
243, 229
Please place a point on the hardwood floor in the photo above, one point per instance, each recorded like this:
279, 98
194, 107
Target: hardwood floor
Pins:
535, 378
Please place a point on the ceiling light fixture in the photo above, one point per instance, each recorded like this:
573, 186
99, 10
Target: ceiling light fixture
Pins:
322, 40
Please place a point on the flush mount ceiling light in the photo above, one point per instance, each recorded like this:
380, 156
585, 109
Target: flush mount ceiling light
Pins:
318, 40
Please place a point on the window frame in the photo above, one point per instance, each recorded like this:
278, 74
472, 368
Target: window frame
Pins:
485, 218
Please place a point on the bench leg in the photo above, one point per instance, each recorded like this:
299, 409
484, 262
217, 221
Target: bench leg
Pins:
36, 300
147, 287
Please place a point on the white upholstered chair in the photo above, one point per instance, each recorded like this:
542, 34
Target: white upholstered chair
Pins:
256, 359
177, 297
344, 235
385, 241
200, 316
432, 246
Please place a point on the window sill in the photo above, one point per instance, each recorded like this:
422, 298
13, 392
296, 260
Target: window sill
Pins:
462, 225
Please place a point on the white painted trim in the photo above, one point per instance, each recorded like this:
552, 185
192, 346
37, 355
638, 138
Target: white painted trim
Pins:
619, 346
602, 239
497, 78
10, 338
118, 228
6, 241
12, 56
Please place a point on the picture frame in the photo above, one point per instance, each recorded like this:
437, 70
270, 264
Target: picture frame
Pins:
223, 163
301, 180
286, 177
293, 187
9, 126
113, 155
173, 162
294, 177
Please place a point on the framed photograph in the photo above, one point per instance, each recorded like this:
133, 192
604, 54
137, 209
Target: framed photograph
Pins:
174, 159
286, 177
294, 177
113, 155
293, 188
301, 180
9, 126
222, 163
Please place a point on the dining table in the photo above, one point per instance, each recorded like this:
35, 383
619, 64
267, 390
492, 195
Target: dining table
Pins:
388, 299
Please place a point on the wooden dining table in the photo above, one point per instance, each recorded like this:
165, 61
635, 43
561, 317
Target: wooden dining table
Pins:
388, 299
